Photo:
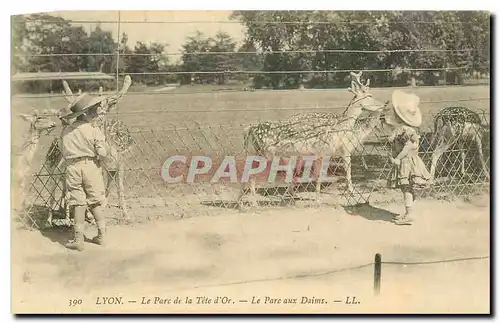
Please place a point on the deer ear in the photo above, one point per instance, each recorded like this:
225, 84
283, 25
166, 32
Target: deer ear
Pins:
50, 111
354, 86
28, 118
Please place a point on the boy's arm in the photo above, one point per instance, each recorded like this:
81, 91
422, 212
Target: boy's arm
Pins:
100, 144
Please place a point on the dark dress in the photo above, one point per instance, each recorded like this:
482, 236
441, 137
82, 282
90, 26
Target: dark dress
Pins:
411, 171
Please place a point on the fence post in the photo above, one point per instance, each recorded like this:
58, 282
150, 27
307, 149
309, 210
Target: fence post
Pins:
377, 273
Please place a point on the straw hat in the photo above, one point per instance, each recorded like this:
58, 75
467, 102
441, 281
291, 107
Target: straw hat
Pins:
406, 107
82, 104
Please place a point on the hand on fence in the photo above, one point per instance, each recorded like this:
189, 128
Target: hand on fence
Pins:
395, 161
98, 162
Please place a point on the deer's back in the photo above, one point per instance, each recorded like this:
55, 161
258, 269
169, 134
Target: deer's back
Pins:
458, 116
117, 133
297, 128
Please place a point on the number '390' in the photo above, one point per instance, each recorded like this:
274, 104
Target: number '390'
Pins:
74, 302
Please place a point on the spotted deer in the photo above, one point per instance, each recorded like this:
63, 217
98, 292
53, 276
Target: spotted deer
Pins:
118, 139
454, 127
319, 135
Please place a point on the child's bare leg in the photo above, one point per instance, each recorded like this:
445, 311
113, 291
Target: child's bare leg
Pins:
409, 197
79, 228
100, 220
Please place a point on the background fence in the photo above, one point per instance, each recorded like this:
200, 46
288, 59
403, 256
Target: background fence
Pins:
223, 91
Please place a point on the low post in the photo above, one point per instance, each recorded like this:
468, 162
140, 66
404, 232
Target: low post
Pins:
377, 273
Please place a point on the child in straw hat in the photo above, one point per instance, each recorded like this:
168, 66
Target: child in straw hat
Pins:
83, 149
408, 172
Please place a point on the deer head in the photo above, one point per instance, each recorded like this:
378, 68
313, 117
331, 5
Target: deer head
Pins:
357, 87
40, 122
362, 97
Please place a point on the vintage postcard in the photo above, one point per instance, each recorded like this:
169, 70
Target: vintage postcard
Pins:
225, 162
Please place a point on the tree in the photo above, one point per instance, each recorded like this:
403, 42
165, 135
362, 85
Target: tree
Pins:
147, 59
44, 34
226, 61
248, 59
35, 37
194, 58
313, 32
19, 33
125, 55
100, 41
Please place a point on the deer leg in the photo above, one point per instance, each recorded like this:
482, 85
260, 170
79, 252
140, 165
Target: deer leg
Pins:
290, 191
437, 142
121, 192
316, 170
318, 190
436, 155
348, 176
253, 193
244, 189
64, 201
20, 204
481, 156
241, 194
109, 178
53, 202
462, 161
52, 205
363, 161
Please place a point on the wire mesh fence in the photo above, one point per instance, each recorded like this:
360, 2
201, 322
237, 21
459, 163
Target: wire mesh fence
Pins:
454, 145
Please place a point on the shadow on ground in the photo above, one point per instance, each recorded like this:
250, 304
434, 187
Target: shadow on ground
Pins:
369, 212
59, 234
228, 204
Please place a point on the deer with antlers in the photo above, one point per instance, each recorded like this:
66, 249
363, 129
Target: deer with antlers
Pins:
118, 139
455, 127
319, 135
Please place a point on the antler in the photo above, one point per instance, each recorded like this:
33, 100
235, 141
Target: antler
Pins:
106, 105
357, 87
113, 100
68, 94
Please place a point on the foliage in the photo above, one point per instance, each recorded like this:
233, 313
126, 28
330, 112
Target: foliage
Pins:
193, 61
383, 30
45, 34
311, 41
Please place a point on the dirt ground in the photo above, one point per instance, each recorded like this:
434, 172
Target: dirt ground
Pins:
265, 255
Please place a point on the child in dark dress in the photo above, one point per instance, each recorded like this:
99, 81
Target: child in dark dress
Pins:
408, 172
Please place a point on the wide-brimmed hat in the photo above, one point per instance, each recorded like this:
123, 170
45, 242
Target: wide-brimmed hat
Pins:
406, 107
82, 104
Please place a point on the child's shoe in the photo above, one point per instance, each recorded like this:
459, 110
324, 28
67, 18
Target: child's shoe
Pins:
99, 239
405, 220
78, 242
398, 217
